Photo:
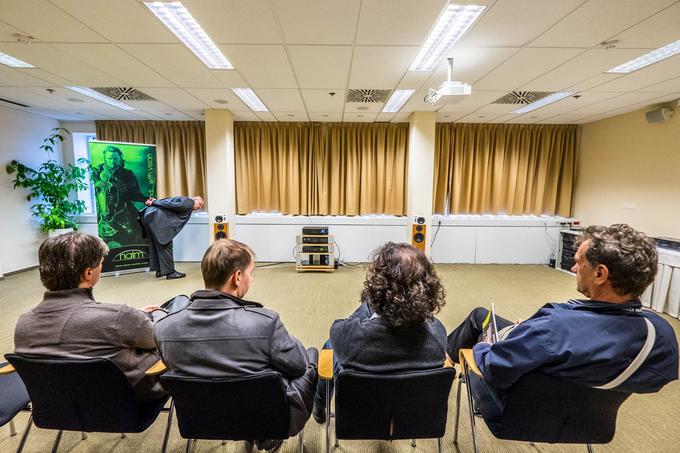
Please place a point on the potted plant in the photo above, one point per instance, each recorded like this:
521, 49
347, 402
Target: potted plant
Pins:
51, 186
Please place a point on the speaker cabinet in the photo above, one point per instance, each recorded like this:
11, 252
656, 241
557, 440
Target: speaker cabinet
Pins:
658, 115
220, 228
419, 235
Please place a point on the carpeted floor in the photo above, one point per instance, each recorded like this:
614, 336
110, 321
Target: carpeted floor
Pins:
308, 303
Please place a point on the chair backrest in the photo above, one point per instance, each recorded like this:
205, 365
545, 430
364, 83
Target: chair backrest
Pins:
542, 408
410, 405
89, 394
244, 408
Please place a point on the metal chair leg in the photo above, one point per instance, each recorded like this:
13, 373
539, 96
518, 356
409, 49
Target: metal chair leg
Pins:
55, 447
12, 428
24, 438
167, 427
83, 435
188, 449
470, 404
413, 443
224, 442
439, 445
590, 448
301, 440
123, 435
455, 432
328, 416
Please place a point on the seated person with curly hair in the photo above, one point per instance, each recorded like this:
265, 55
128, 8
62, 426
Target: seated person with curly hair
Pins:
394, 328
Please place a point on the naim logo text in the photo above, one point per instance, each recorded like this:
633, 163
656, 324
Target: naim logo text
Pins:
129, 255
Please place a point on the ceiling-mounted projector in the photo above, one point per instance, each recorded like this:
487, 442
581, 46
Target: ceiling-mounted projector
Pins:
450, 91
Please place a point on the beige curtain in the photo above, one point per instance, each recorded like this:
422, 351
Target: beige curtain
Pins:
504, 168
180, 151
321, 168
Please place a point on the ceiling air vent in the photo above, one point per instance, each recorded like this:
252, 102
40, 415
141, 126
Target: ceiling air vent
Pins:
522, 97
124, 93
368, 95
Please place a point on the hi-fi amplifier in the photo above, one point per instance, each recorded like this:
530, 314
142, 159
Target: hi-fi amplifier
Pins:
314, 249
315, 231
315, 240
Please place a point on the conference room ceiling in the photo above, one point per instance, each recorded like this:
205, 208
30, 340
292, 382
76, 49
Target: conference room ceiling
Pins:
293, 53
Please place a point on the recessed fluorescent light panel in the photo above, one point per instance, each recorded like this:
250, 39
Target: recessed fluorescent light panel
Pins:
180, 21
100, 97
452, 24
648, 58
544, 101
397, 100
250, 98
13, 62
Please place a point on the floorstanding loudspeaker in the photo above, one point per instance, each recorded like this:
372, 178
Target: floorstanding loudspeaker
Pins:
220, 228
418, 235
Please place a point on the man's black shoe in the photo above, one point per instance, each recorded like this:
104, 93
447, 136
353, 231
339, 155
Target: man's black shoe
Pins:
175, 275
158, 274
319, 414
270, 446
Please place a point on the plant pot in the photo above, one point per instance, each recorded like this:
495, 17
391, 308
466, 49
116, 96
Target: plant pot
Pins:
57, 232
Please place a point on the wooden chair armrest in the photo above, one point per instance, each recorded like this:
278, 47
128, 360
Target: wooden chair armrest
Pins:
325, 366
156, 369
448, 363
7, 369
466, 357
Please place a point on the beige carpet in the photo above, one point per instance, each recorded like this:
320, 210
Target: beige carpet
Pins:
308, 303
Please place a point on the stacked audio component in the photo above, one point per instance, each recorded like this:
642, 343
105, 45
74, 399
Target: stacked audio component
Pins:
566, 249
314, 251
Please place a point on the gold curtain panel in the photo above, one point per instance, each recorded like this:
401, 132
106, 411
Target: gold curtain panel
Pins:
180, 151
504, 168
321, 168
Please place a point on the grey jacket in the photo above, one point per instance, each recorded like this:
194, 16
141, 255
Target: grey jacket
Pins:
70, 323
219, 335
166, 217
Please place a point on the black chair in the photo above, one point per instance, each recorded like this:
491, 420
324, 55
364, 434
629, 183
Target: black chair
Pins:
86, 395
542, 408
13, 396
244, 408
410, 405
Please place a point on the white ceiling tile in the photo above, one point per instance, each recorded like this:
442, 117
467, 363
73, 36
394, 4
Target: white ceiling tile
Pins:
171, 115
499, 26
229, 79
111, 59
14, 77
48, 78
266, 116
321, 101
651, 75
292, 116
581, 68
525, 65
359, 117
416, 103
63, 116
321, 66
208, 97
671, 85
401, 117
655, 32
564, 118
380, 66
245, 116
470, 64
397, 22
153, 116
414, 80
236, 22
262, 66
155, 107
46, 22
175, 97
52, 60
385, 117
497, 109
120, 21
70, 100
117, 115
598, 20
198, 115
443, 117
281, 100
478, 118
571, 103
318, 21
325, 117
363, 107
32, 98
7, 33
471, 103
593, 82
175, 63
621, 101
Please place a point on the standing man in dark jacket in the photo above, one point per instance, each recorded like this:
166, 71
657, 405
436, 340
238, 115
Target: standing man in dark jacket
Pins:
163, 220
222, 335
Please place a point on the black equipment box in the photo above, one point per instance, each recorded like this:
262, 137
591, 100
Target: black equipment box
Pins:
314, 249
668, 243
315, 231
315, 239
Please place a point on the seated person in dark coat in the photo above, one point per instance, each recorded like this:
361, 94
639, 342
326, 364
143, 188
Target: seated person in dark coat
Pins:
589, 341
70, 323
163, 220
245, 338
394, 328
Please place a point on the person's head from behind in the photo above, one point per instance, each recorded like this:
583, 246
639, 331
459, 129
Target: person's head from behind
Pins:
113, 157
402, 286
228, 266
616, 259
198, 202
71, 260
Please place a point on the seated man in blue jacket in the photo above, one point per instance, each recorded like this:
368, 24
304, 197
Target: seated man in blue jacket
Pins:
592, 341
162, 221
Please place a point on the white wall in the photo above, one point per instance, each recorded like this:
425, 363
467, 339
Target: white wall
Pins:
21, 135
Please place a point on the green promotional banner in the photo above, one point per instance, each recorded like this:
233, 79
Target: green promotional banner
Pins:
124, 177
